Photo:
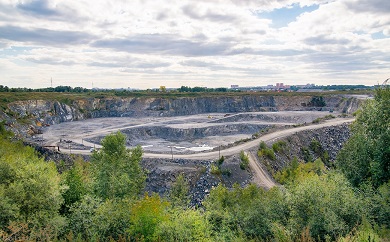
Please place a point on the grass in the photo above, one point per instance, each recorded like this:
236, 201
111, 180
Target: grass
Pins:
327, 117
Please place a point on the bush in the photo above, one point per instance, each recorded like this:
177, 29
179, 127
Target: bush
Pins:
306, 154
278, 146
226, 172
315, 146
220, 160
215, 170
269, 153
244, 161
262, 145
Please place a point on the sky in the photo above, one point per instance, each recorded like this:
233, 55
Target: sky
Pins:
213, 43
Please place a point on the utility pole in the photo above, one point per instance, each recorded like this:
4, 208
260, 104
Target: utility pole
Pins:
51, 82
219, 152
171, 152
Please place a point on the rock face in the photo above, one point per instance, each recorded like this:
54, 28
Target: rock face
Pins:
54, 112
310, 145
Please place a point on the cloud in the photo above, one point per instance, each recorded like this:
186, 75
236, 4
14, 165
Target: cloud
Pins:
326, 40
38, 7
373, 6
163, 44
193, 12
44, 36
50, 61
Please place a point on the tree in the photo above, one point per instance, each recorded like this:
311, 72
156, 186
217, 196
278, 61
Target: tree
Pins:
76, 181
30, 188
366, 155
117, 170
179, 192
185, 225
325, 205
146, 216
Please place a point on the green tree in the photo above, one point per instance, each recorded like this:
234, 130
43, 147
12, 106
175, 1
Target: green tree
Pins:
366, 155
325, 205
76, 181
185, 225
179, 192
117, 170
146, 216
81, 219
29, 187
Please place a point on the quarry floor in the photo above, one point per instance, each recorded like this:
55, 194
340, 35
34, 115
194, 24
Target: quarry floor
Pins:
224, 129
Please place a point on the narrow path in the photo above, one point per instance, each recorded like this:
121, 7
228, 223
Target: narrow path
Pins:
261, 177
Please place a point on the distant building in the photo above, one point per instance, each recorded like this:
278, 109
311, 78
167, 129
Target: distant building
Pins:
279, 85
234, 86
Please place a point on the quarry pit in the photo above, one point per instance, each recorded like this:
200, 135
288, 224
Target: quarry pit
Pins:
176, 135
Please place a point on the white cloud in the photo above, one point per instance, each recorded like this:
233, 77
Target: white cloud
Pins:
218, 42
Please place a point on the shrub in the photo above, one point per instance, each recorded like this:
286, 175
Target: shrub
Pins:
306, 154
262, 145
278, 146
226, 172
215, 170
315, 146
220, 160
244, 161
270, 154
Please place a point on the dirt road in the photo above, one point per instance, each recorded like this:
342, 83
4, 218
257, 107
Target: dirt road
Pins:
248, 145
260, 177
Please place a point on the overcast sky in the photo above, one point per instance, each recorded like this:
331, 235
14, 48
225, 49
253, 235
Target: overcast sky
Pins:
214, 43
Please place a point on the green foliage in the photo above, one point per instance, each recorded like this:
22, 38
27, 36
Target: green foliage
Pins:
244, 164
29, 187
215, 170
244, 212
117, 170
3, 131
317, 101
146, 216
263, 145
179, 194
366, 155
185, 225
220, 160
81, 222
278, 146
297, 171
315, 146
112, 219
326, 205
327, 117
307, 157
76, 181
363, 233
267, 152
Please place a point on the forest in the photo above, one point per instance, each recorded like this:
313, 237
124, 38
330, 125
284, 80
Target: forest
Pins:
104, 199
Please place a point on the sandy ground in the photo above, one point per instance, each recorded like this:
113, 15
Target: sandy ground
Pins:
79, 132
